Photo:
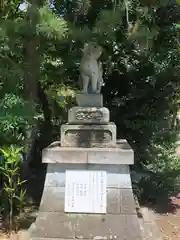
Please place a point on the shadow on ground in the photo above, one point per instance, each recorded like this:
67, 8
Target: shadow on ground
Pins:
163, 205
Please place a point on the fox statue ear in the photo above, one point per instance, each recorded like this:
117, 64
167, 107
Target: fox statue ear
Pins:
85, 47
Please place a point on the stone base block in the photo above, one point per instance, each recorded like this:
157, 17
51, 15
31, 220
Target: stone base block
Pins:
88, 135
88, 115
120, 221
89, 100
82, 226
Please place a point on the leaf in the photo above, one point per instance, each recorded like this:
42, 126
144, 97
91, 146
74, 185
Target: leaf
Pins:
16, 197
8, 189
20, 182
5, 153
2, 169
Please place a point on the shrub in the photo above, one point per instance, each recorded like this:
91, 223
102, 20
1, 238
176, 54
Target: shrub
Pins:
160, 174
12, 194
15, 119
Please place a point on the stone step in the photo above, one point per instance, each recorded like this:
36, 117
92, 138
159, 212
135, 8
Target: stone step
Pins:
82, 226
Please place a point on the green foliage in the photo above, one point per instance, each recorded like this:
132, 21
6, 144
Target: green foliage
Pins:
12, 192
50, 25
162, 179
9, 8
160, 175
108, 24
19, 112
15, 119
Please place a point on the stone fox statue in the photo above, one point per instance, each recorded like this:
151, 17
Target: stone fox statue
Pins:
91, 71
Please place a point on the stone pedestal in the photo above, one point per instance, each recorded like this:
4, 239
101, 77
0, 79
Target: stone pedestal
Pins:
88, 142
88, 124
120, 220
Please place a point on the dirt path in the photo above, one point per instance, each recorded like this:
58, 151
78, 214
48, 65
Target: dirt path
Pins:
169, 225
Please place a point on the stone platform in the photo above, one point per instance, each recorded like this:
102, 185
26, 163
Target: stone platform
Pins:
121, 154
120, 220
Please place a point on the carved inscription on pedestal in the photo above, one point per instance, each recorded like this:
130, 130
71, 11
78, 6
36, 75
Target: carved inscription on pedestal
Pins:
87, 138
89, 115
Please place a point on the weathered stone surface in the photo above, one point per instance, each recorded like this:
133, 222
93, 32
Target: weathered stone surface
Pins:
55, 176
115, 155
53, 199
60, 225
88, 115
89, 100
117, 176
113, 201
54, 224
88, 136
56, 154
123, 144
109, 157
109, 226
127, 203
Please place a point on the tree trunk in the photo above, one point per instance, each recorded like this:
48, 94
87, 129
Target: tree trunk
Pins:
32, 54
31, 73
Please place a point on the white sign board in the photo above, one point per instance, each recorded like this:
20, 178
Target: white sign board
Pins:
85, 192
